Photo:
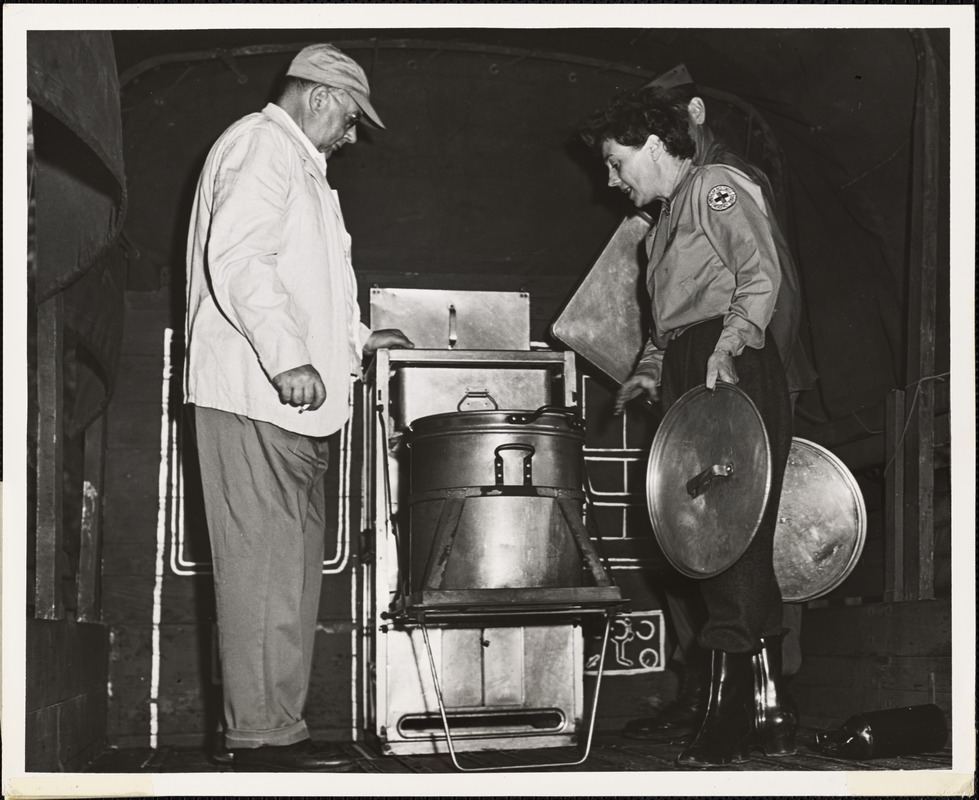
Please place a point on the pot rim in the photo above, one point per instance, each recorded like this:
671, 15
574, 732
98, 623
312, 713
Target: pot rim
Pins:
495, 421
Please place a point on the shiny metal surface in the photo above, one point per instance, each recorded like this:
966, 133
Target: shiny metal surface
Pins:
501, 540
499, 677
708, 479
424, 391
500, 543
486, 448
449, 319
604, 320
822, 524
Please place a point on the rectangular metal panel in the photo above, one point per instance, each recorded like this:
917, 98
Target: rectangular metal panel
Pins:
503, 666
519, 669
605, 321
410, 689
462, 667
553, 672
449, 319
422, 391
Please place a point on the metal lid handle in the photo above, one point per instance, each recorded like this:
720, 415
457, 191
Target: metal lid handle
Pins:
699, 484
568, 411
480, 394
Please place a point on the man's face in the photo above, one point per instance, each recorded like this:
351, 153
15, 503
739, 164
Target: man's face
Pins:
333, 120
634, 171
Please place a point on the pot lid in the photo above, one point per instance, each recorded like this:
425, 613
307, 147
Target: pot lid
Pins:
708, 479
546, 419
822, 524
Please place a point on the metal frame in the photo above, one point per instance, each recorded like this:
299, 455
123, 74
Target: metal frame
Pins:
381, 586
591, 716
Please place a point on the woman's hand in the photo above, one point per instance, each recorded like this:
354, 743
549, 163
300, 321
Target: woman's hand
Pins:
720, 366
633, 387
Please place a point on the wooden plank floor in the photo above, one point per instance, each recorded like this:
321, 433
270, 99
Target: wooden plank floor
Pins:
609, 753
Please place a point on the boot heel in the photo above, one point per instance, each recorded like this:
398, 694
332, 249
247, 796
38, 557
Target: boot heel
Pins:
775, 715
778, 743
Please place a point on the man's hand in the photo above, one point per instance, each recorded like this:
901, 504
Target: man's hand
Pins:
301, 386
633, 387
720, 366
389, 339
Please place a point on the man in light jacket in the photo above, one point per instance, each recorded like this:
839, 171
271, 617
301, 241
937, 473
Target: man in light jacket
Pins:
274, 341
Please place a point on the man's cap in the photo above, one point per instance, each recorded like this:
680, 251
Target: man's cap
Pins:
678, 76
325, 64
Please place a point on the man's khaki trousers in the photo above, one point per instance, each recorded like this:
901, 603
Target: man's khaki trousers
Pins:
265, 502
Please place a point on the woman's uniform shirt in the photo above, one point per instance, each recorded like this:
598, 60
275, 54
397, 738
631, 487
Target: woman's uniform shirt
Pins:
711, 255
270, 284
786, 322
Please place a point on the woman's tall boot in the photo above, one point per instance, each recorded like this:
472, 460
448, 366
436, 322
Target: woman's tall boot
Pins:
775, 713
726, 732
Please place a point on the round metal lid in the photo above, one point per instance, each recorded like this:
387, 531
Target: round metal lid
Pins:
708, 479
822, 524
547, 419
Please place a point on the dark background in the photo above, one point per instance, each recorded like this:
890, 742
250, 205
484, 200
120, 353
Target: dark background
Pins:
479, 179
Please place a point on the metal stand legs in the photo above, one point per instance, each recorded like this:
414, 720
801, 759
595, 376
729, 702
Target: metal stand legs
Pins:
591, 722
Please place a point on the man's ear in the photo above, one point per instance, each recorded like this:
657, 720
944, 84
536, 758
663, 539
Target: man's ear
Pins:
697, 111
319, 97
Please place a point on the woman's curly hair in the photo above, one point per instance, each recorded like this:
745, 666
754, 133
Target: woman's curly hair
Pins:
631, 117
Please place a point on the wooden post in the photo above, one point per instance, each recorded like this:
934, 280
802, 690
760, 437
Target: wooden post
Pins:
919, 527
48, 603
90, 553
894, 498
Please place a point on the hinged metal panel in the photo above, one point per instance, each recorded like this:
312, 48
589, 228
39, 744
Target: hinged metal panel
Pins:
446, 319
604, 320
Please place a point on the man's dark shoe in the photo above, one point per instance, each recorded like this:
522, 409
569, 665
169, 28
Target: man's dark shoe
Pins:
219, 754
304, 756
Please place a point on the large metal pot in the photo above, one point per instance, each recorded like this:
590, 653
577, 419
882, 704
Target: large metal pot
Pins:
484, 486
497, 448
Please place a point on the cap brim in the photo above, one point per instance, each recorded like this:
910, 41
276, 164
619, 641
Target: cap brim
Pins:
367, 108
678, 76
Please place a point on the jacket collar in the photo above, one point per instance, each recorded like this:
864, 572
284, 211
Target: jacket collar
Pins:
311, 155
681, 178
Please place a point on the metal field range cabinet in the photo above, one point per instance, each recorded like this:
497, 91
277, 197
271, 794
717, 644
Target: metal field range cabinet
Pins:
480, 567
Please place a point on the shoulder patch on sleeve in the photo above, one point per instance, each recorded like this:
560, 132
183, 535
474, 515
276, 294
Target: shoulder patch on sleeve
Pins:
721, 197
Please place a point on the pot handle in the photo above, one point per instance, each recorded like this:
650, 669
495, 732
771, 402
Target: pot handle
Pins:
570, 412
528, 475
480, 394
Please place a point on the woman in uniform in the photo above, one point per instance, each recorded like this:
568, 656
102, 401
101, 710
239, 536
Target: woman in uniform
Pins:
713, 278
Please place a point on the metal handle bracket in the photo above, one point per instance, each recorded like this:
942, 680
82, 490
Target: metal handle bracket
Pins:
699, 484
